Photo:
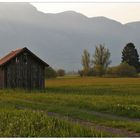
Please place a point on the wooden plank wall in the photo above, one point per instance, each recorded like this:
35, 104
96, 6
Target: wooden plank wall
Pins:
27, 75
1, 78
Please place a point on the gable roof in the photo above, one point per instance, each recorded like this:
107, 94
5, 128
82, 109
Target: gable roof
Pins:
14, 53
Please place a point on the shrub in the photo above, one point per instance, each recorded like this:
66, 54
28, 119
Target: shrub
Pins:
50, 73
91, 72
112, 71
125, 69
60, 72
122, 70
99, 70
81, 73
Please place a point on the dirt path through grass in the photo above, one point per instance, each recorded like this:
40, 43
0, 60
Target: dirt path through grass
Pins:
120, 132
96, 113
115, 131
112, 116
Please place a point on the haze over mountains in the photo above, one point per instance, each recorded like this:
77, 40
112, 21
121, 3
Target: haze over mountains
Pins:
59, 39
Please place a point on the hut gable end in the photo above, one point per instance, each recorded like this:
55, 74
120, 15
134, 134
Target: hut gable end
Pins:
22, 69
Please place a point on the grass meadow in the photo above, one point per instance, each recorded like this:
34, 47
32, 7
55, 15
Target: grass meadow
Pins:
73, 107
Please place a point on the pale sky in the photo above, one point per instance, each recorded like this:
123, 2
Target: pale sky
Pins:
122, 12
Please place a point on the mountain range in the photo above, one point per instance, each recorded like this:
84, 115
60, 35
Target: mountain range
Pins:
59, 39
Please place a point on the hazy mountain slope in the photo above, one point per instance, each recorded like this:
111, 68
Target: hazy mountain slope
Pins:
60, 38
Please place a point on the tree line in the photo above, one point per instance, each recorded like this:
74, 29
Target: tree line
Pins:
51, 73
98, 63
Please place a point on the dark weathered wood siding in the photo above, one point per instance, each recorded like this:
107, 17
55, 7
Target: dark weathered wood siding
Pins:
1, 78
25, 71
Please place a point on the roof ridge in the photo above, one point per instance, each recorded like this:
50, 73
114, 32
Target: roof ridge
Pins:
14, 53
9, 56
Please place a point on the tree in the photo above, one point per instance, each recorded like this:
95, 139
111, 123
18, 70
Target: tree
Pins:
101, 59
86, 62
60, 72
50, 73
130, 56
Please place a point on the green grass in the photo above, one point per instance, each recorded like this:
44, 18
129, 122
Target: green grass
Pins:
35, 124
78, 98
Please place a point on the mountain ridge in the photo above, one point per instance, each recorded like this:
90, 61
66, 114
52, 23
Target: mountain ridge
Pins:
59, 39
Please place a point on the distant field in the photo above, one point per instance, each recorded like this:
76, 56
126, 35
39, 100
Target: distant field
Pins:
87, 81
73, 106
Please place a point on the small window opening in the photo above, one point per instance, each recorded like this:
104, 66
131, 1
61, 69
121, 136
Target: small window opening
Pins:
17, 60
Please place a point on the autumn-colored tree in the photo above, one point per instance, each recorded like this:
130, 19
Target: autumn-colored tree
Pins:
86, 62
101, 59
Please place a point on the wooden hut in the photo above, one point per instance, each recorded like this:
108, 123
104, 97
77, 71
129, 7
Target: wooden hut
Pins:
22, 69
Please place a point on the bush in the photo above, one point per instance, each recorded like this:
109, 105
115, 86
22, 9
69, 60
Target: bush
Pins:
112, 71
81, 73
123, 70
99, 70
60, 72
91, 72
50, 73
